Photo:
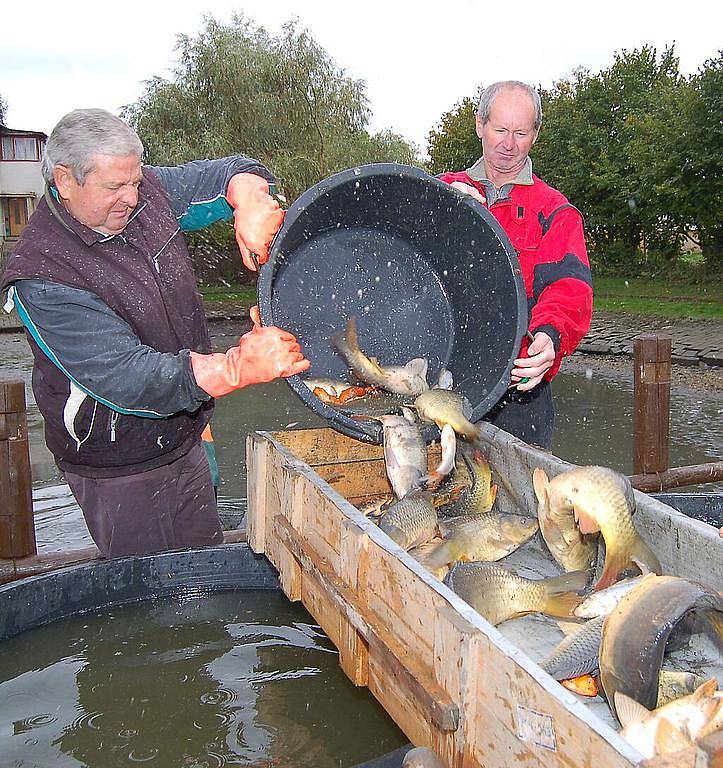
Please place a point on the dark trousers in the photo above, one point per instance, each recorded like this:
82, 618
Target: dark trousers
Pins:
170, 507
530, 416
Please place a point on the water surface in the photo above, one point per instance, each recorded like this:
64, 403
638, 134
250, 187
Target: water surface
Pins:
229, 678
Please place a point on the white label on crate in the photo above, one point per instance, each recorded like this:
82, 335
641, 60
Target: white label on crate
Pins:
535, 727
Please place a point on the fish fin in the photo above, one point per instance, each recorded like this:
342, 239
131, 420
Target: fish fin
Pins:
644, 558
443, 555
628, 710
445, 379
351, 337
561, 596
472, 432
418, 366
540, 482
584, 685
493, 494
409, 415
670, 738
615, 564
705, 690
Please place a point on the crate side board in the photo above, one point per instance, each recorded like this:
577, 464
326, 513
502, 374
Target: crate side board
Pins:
380, 644
687, 547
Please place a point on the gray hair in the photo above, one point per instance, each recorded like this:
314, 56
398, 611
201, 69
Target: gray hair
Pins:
491, 91
81, 135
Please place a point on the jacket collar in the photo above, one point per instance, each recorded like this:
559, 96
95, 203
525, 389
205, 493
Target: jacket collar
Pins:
68, 221
478, 172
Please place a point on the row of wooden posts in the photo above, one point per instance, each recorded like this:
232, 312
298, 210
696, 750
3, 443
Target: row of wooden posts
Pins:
651, 425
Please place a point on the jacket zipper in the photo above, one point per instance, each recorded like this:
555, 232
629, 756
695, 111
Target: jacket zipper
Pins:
113, 419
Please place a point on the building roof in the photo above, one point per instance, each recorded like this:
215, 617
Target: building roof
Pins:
5, 131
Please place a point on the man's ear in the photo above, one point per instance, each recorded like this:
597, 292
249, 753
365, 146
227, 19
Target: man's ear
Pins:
537, 133
478, 125
64, 180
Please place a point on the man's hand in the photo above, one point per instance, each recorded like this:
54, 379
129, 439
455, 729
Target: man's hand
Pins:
263, 354
256, 218
539, 360
468, 189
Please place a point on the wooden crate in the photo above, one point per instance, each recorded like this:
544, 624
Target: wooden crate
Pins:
448, 678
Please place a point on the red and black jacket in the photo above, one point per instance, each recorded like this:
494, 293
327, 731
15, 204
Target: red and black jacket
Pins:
547, 233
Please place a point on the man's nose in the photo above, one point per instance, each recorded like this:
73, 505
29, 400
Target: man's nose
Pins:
129, 196
509, 141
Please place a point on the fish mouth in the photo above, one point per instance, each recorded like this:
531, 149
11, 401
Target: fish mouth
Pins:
585, 523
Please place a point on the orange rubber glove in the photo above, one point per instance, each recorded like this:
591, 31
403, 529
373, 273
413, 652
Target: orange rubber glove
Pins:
262, 354
256, 218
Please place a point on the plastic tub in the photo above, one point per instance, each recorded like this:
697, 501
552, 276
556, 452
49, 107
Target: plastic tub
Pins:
425, 270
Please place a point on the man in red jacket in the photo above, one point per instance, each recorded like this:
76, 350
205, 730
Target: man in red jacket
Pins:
547, 233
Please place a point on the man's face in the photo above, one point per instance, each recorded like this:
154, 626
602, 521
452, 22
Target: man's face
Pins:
509, 133
107, 197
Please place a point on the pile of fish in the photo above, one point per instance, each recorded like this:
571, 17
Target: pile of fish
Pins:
630, 617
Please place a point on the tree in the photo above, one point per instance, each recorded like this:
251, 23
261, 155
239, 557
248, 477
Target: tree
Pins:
608, 142
280, 99
454, 144
702, 167
3, 110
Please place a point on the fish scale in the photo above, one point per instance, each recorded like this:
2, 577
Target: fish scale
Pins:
577, 654
411, 521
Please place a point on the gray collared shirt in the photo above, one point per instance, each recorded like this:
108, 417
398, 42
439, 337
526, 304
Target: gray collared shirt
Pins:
478, 173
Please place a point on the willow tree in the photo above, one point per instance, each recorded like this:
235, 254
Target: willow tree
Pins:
278, 98
281, 99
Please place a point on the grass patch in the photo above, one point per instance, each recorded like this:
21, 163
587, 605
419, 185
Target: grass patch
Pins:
659, 298
242, 293
674, 299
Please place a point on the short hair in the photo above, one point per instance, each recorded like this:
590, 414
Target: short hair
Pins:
490, 92
82, 134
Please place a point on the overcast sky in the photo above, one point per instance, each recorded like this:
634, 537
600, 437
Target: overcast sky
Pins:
417, 62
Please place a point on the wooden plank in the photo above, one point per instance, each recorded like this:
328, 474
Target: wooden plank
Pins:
292, 513
402, 600
326, 446
453, 650
534, 725
404, 665
257, 452
353, 648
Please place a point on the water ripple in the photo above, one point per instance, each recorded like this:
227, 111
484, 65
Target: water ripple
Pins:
219, 697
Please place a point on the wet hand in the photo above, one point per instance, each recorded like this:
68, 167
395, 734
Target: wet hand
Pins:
539, 360
257, 217
271, 351
469, 190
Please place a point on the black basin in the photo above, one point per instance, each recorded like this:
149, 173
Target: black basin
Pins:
425, 270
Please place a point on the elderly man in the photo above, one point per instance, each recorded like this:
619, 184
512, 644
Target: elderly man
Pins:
547, 233
123, 370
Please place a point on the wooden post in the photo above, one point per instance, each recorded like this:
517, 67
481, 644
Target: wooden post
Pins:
651, 418
17, 528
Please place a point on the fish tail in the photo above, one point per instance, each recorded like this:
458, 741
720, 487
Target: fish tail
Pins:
561, 596
645, 559
443, 555
614, 566
472, 432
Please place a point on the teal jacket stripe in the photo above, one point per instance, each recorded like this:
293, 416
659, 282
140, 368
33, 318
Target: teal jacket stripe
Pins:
34, 331
206, 212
